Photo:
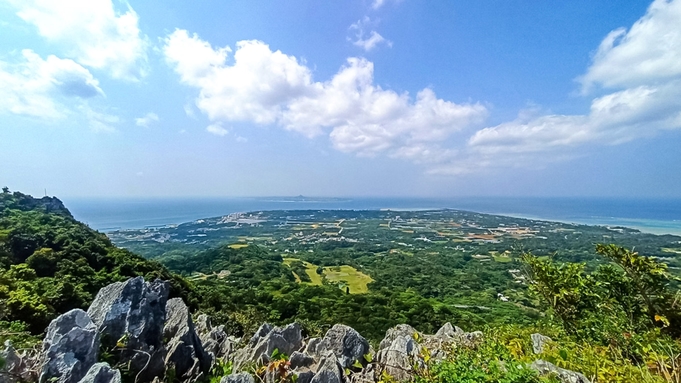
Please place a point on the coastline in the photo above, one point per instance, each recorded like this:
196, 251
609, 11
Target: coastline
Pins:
648, 216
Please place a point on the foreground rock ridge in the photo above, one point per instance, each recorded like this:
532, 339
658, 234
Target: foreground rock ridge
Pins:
132, 332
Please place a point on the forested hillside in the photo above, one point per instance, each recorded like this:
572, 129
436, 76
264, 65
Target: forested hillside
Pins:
51, 263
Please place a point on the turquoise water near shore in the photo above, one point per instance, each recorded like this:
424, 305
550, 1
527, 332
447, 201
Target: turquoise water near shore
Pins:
658, 216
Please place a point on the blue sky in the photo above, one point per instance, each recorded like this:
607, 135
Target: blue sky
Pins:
341, 98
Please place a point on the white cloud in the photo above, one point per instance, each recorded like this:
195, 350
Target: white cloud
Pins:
364, 40
266, 87
376, 4
34, 87
217, 129
147, 120
648, 53
643, 65
91, 32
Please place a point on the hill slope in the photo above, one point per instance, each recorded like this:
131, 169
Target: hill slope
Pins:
51, 263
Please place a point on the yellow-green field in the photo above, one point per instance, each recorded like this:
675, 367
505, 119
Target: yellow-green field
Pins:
237, 246
354, 279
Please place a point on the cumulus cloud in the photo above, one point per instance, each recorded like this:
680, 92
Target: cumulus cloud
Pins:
147, 120
91, 32
269, 87
33, 86
640, 71
366, 40
217, 129
648, 53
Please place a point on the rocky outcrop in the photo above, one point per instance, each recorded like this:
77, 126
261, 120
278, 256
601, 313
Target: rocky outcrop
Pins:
156, 339
134, 309
132, 314
17, 367
345, 343
70, 348
241, 377
184, 351
101, 373
448, 332
214, 339
545, 368
538, 342
399, 351
267, 339
329, 370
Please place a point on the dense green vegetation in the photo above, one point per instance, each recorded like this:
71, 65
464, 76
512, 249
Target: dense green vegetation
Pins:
614, 314
50, 263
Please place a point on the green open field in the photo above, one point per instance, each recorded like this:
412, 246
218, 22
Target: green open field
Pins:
350, 277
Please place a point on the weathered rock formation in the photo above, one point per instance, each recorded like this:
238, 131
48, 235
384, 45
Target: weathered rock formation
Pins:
545, 368
184, 351
70, 348
155, 339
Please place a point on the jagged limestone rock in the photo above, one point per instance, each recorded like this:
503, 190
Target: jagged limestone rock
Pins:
299, 359
260, 347
70, 348
346, 343
399, 352
241, 377
133, 308
133, 313
329, 370
538, 342
303, 375
214, 339
184, 351
401, 330
545, 368
311, 348
101, 373
447, 332
17, 367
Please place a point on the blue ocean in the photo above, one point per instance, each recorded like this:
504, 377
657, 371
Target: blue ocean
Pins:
658, 216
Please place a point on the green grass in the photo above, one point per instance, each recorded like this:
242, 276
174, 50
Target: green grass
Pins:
502, 259
356, 280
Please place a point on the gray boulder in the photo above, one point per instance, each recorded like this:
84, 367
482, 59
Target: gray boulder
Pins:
70, 348
346, 343
538, 342
447, 332
263, 343
241, 377
299, 359
17, 367
545, 368
398, 352
101, 373
184, 351
214, 339
329, 370
133, 308
312, 346
303, 375
401, 330
133, 313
